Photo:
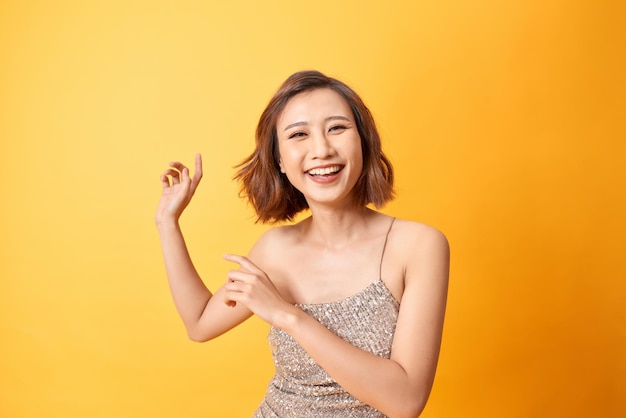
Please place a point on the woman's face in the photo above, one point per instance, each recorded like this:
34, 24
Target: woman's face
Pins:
320, 146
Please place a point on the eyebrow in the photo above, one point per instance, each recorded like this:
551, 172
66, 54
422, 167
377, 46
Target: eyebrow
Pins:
328, 119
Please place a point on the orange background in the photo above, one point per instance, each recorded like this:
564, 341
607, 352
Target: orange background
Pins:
506, 124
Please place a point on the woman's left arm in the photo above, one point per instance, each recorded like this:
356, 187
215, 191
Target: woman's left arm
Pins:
399, 386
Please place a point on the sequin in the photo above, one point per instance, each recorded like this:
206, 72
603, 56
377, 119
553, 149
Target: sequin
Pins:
300, 387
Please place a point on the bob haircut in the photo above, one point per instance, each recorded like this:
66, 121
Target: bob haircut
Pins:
269, 191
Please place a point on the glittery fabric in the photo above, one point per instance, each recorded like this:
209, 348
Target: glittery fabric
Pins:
301, 388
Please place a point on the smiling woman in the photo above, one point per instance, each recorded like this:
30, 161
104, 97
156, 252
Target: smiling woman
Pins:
355, 299
274, 197
322, 148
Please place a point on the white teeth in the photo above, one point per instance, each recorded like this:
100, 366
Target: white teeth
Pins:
324, 171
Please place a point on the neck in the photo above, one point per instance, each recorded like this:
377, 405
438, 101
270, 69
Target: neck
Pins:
337, 228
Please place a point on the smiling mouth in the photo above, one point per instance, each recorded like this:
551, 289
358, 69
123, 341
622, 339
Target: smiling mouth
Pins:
325, 171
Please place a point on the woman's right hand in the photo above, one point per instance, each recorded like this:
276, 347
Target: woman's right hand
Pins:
178, 189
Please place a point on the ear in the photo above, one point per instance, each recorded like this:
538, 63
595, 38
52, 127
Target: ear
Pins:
280, 164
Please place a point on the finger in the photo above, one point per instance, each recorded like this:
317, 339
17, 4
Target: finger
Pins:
197, 175
232, 292
237, 279
174, 174
229, 299
243, 262
165, 181
171, 172
177, 165
178, 168
184, 175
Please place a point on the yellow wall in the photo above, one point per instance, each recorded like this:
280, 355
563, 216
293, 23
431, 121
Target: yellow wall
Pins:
506, 124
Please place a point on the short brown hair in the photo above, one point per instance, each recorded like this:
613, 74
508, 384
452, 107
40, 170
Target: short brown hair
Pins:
269, 191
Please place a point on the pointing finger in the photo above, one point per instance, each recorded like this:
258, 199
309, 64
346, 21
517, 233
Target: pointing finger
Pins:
242, 261
198, 172
197, 175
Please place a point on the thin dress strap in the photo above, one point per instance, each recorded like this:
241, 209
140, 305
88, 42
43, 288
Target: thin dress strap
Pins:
380, 265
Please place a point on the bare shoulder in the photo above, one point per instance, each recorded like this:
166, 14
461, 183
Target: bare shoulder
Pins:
272, 243
422, 251
276, 236
417, 237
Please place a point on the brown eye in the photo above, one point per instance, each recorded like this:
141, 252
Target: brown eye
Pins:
337, 128
297, 135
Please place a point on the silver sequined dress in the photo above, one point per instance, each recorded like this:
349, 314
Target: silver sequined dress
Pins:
303, 389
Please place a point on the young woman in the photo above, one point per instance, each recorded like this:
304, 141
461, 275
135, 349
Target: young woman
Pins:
355, 299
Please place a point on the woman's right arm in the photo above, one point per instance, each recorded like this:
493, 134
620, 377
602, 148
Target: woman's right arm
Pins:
205, 315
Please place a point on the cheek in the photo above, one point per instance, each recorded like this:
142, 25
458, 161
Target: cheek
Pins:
290, 161
290, 154
357, 153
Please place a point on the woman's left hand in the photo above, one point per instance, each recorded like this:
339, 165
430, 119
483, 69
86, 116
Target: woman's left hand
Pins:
253, 288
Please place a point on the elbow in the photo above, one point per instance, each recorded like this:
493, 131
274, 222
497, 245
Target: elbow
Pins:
416, 411
197, 336
410, 408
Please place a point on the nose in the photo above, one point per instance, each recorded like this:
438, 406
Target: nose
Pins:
321, 146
